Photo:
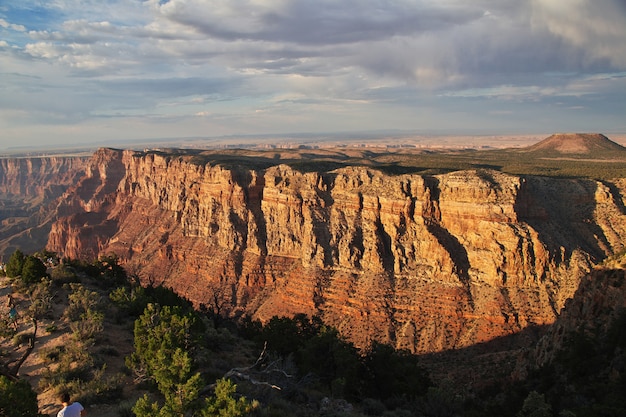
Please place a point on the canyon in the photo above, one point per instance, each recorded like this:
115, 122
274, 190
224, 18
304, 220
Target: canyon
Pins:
425, 262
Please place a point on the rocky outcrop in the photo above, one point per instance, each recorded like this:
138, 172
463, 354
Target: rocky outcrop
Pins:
39, 177
426, 263
598, 303
29, 188
595, 314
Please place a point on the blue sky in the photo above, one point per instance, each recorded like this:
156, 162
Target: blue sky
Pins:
87, 71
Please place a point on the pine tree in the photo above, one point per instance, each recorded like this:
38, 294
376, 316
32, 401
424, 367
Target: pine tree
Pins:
33, 270
224, 403
15, 264
17, 399
162, 343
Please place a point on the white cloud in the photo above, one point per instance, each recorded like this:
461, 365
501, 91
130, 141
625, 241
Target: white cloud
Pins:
307, 59
7, 25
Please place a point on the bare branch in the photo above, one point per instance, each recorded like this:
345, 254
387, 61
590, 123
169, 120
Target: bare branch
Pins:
257, 376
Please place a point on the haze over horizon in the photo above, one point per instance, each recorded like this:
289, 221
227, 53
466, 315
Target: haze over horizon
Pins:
85, 71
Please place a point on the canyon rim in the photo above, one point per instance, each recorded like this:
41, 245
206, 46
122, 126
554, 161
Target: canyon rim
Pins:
424, 262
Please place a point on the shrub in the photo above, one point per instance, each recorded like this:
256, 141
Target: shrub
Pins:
63, 274
81, 302
23, 338
535, 405
33, 270
224, 403
17, 399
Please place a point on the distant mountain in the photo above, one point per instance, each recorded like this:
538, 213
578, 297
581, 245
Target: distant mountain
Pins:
590, 144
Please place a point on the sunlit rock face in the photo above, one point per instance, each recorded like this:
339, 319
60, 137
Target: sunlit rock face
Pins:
29, 189
39, 177
425, 263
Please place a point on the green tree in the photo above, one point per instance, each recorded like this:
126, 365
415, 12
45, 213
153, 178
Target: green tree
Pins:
144, 407
224, 403
334, 360
392, 373
33, 270
17, 399
111, 272
163, 343
15, 264
288, 335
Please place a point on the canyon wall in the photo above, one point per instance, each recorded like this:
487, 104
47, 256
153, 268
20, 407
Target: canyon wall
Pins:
425, 263
29, 188
39, 177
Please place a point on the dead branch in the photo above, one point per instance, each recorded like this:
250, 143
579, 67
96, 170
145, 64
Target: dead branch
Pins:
253, 375
31, 345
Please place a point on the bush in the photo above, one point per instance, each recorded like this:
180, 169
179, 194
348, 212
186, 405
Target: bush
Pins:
33, 270
81, 302
224, 403
73, 362
334, 360
373, 407
535, 405
163, 342
17, 399
63, 274
95, 388
23, 338
286, 336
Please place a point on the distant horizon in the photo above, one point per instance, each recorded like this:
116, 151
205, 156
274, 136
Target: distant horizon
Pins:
394, 138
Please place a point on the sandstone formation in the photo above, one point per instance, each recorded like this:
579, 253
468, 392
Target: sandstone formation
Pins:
39, 177
426, 263
29, 188
595, 313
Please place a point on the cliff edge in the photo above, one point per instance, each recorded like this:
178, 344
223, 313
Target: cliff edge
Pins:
424, 262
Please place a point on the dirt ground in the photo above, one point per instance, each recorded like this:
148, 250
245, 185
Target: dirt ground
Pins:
116, 335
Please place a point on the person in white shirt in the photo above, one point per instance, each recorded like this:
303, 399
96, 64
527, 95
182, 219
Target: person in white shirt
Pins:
70, 409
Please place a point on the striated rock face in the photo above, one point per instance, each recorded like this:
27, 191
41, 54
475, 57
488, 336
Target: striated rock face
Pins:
39, 177
595, 308
426, 263
83, 227
29, 188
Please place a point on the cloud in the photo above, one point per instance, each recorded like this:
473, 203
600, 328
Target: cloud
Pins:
426, 43
7, 25
314, 22
266, 61
595, 27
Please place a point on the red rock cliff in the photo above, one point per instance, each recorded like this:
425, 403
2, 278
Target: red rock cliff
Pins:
38, 177
29, 188
423, 262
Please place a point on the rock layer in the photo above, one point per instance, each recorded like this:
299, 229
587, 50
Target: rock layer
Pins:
29, 188
425, 263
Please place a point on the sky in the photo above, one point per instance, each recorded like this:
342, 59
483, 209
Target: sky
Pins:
87, 71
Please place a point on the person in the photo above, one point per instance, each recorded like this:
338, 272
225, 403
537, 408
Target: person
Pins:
70, 409
12, 310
